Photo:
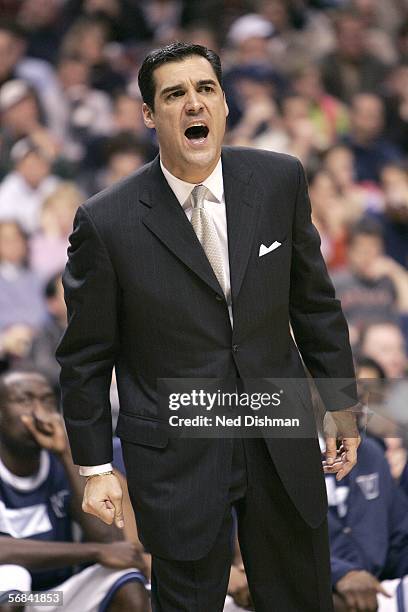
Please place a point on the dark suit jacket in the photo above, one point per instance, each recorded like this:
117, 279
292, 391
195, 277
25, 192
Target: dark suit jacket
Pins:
142, 296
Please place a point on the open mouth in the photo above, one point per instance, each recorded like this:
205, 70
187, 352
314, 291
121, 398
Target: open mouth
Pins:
196, 134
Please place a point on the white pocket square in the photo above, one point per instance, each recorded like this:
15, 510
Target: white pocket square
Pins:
264, 250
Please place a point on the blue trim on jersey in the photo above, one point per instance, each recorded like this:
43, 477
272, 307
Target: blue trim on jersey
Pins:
400, 596
129, 577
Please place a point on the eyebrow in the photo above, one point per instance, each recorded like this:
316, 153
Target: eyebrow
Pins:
167, 90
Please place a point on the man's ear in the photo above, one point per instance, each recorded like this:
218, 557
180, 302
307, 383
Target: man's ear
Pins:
226, 105
148, 116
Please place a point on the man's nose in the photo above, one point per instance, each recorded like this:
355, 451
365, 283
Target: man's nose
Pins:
194, 103
38, 407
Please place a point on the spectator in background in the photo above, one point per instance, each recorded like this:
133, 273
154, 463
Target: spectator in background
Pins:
48, 246
293, 134
126, 119
163, 18
38, 74
371, 150
252, 91
338, 161
331, 215
22, 308
9, 53
249, 37
125, 18
381, 420
368, 530
126, 114
201, 33
23, 190
89, 111
40, 495
384, 342
309, 115
374, 287
41, 356
379, 42
396, 106
42, 24
402, 41
20, 117
299, 31
328, 115
372, 387
89, 37
394, 217
124, 155
350, 68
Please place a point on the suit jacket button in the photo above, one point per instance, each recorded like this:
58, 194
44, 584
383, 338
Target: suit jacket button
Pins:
235, 348
219, 298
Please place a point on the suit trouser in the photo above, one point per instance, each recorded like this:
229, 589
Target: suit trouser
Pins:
286, 561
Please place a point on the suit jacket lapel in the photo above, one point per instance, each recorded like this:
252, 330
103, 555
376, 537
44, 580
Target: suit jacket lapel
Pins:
168, 221
242, 198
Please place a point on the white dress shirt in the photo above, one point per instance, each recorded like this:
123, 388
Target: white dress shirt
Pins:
215, 206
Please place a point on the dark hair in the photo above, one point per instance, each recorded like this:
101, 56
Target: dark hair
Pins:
3, 392
403, 30
366, 227
124, 143
50, 289
12, 28
372, 364
175, 52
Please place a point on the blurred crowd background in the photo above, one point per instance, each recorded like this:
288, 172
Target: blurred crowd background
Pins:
324, 80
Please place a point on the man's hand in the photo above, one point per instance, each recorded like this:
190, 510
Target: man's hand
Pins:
120, 555
340, 425
359, 590
238, 586
103, 498
48, 430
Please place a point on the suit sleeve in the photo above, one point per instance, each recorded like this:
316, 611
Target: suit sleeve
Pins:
318, 323
88, 348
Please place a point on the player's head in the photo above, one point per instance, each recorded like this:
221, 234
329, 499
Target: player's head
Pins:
22, 393
183, 99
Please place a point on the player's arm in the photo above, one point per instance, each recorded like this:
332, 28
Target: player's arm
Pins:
37, 554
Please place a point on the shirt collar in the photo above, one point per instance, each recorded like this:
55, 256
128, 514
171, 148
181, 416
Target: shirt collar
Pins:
182, 190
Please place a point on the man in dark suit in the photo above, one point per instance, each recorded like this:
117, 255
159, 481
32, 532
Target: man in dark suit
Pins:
194, 268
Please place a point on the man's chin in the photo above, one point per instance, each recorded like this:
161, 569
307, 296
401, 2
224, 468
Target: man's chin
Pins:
201, 158
23, 448
28, 445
